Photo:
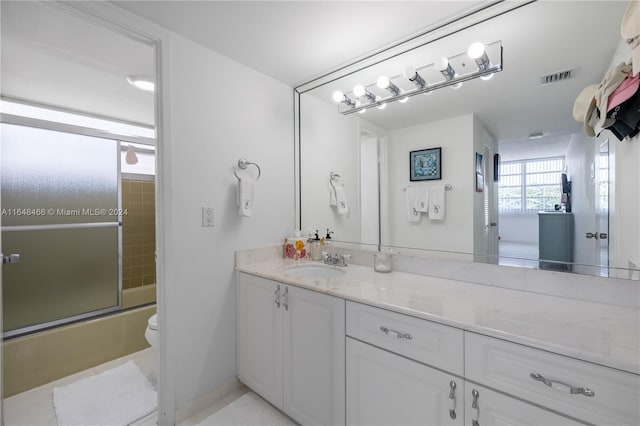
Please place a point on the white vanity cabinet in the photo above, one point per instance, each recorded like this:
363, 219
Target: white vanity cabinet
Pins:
388, 381
387, 389
291, 347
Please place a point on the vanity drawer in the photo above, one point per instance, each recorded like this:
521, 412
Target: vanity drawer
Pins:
508, 367
424, 341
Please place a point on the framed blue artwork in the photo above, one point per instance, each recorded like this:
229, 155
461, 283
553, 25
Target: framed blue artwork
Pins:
425, 164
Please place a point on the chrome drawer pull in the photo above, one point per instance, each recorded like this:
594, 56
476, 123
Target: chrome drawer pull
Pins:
399, 335
556, 384
277, 296
285, 297
452, 400
474, 406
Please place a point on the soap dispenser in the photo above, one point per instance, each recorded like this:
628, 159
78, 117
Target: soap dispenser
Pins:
315, 247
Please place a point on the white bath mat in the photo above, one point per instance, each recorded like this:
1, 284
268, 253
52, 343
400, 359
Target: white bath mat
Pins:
248, 410
116, 397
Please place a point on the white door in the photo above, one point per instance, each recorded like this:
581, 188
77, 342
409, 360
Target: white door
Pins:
602, 206
387, 389
314, 365
259, 336
490, 208
485, 407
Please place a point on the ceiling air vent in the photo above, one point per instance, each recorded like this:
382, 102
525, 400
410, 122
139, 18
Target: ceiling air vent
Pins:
557, 76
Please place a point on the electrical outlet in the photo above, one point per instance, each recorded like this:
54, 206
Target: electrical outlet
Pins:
207, 217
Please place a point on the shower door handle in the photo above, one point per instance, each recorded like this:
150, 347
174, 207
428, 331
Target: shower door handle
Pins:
12, 258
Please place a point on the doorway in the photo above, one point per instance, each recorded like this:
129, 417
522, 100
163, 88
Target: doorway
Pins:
73, 213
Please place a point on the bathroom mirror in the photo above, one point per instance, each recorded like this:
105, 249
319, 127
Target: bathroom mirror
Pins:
493, 212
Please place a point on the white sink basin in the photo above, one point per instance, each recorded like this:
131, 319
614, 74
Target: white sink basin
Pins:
314, 271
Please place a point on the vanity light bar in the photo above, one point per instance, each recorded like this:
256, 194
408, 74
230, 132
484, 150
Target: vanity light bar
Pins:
415, 81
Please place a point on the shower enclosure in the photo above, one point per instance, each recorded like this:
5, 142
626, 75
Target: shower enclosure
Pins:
61, 214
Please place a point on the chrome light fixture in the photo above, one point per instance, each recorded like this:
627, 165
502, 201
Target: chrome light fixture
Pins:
384, 83
478, 53
338, 96
412, 75
445, 68
361, 92
423, 80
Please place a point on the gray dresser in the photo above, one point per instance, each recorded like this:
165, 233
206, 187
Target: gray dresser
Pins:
555, 240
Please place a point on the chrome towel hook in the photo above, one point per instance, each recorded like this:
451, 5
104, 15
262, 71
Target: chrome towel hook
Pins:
243, 163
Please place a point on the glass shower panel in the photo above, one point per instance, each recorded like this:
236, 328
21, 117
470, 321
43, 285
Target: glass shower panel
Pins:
60, 201
62, 273
51, 177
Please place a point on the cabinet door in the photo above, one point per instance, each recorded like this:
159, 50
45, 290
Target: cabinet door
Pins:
314, 364
387, 389
493, 408
259, 337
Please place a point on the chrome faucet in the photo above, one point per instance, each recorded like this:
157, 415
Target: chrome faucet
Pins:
335, 259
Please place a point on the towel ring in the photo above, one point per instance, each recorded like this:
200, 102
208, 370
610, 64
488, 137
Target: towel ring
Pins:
333, 176
243, 163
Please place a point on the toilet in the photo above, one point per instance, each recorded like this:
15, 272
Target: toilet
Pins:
151, 333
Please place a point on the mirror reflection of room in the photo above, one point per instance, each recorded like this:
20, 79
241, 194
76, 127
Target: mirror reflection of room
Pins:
554, 199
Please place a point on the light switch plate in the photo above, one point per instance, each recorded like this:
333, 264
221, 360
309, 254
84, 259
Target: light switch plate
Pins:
207, 217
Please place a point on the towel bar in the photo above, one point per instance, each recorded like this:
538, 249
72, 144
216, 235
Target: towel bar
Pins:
447, 187
243, 163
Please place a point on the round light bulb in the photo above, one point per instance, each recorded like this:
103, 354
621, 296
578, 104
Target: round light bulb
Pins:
359, 90
383, 82
382, 106
403, 100
476, 50
487, 77
410, 72
338, 96
442, 63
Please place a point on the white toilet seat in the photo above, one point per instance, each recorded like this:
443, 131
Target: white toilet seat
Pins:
151, 333
152, 323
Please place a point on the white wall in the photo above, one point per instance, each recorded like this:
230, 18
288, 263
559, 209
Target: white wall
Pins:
219, 111
624, 226
519, 228
455, 233
624, 158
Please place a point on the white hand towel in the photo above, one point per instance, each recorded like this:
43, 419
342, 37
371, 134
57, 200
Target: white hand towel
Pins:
412, 214
422, 199
436, 203
332, 197
341, 200
246, 194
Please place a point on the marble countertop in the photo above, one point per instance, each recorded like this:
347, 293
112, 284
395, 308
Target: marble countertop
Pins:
604, 334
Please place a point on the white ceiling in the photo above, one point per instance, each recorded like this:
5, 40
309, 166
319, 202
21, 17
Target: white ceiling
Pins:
538, 39
52, 57
295, 41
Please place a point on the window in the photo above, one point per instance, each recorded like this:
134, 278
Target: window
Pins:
528, 186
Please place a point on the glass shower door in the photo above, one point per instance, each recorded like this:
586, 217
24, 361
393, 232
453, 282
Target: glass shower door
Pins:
60, 201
